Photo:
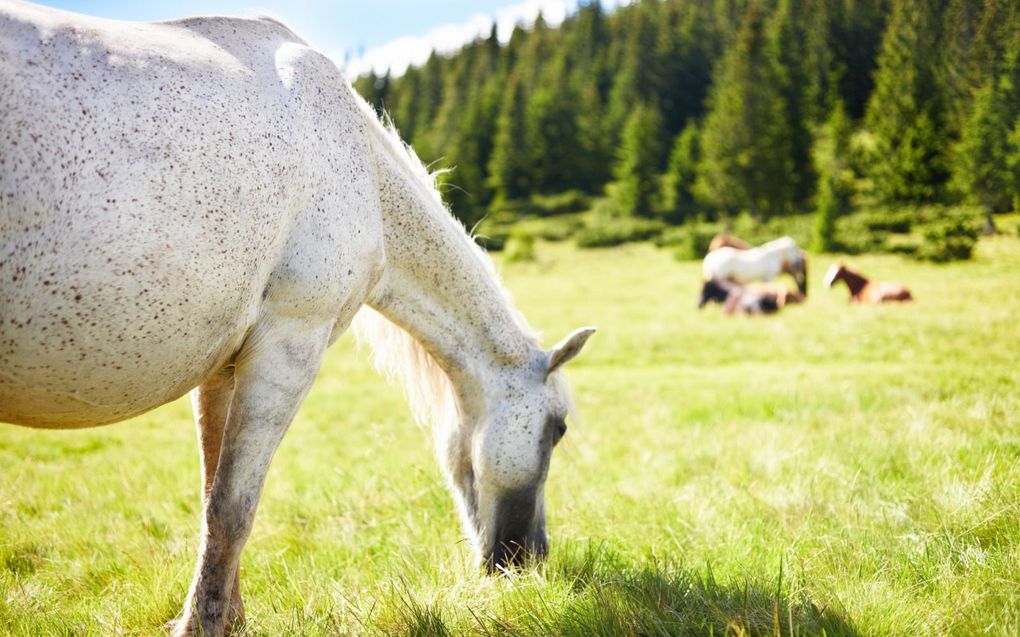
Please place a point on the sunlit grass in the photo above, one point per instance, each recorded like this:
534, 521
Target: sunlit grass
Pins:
852, 470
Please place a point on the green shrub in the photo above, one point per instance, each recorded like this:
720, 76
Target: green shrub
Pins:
562, 203
690, 242
492, 236
898, 221
558, 228
800, 227
519, 247
514, 209
611, 231
949, 239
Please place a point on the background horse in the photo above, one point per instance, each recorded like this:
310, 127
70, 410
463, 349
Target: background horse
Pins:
219, 230
783, 294
736, 298
763, 263
727, 240
864, 291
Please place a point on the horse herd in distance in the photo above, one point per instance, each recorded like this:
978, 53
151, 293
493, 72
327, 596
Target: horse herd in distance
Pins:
740, 277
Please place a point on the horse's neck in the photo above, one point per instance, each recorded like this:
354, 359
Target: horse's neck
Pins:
854, 281
438, 285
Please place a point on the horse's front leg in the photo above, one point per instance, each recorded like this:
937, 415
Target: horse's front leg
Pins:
272, 376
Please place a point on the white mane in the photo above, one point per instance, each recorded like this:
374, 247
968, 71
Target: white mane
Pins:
396, 353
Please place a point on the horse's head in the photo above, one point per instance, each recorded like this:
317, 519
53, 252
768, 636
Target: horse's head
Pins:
712, 290
834, 273
510, 450
796, 266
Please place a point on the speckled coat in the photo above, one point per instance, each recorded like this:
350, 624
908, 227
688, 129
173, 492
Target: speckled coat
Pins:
206, 204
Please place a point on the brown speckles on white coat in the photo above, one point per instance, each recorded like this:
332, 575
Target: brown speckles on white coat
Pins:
206, 199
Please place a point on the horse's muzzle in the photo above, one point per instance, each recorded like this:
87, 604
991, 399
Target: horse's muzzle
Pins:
508, 555
520, 536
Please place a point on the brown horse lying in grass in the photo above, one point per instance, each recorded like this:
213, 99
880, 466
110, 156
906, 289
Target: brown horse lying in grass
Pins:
864, 291
782, 294
727, 241
736, 298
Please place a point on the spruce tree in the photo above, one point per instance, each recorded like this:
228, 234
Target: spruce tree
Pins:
555, 134
638, 160
835, 179
678, 199
983, 170
906, 111
510, 167
747, 159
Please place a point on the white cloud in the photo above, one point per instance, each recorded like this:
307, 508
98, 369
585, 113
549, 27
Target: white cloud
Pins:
398, 54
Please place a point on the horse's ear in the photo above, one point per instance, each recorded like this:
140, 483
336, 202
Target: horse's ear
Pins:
568, 348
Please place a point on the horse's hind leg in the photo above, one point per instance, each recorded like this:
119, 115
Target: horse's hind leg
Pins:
211, 402
270, 381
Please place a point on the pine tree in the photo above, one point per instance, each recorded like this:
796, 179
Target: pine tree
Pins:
982, 170
678, 200
906, 111
747, 159
638, 160
637, 78
857, 28
835, 180
799, 55
512, 162
555, 134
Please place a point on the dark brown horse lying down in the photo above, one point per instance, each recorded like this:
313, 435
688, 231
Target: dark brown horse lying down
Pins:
864, 291
736, 298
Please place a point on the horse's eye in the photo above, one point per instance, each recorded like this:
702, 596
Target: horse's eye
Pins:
559, 430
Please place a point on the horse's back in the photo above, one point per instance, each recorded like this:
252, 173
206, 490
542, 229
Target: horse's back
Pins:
151, 177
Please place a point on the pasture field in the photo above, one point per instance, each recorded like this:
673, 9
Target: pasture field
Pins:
833, 470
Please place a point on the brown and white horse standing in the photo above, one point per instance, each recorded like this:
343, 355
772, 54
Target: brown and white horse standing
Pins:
864, 291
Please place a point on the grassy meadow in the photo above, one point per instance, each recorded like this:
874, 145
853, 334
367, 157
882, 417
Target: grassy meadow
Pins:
834, 470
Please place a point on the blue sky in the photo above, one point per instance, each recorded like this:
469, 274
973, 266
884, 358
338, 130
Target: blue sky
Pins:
376, 34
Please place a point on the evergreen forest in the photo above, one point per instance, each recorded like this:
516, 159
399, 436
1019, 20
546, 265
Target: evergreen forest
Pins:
670, 113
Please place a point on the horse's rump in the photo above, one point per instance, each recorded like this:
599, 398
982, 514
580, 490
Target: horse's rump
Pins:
153, 175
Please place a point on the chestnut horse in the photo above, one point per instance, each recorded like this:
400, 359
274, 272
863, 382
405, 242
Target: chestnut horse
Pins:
727, 241
205, 205
864, 291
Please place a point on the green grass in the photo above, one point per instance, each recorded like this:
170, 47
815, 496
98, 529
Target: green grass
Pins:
835, 469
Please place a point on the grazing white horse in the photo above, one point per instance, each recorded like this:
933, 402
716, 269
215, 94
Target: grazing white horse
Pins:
762, 263
206, 204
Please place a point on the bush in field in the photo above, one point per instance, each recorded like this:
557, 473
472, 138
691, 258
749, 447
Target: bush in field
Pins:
492, 235
558, 228
799, 227
949, 239
513, 209
689, 242
609, 227
899, 221
562, 203
519, 247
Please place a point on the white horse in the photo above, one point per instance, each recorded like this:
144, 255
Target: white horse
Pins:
206, 204
763, 263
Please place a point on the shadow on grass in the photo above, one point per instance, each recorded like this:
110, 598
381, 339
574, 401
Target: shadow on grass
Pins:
591, 591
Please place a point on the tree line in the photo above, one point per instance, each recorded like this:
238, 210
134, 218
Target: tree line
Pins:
682, 109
